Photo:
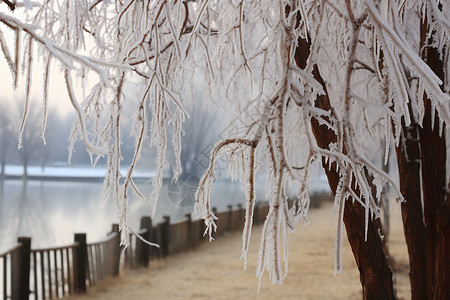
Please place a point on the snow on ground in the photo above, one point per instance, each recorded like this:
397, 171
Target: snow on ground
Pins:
69, 171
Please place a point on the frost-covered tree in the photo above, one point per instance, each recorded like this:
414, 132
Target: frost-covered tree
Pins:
33, 150
200, 134
308, 80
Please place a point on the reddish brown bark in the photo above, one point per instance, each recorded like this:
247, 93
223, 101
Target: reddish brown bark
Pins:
436, 209
436, 202
375, 274
408, 159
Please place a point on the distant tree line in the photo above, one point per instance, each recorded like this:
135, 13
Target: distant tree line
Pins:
200, 134
34, 152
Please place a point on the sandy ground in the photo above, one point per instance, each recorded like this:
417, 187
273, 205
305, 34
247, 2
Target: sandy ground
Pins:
214, 270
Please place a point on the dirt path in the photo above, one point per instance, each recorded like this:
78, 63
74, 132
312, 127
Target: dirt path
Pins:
214, 270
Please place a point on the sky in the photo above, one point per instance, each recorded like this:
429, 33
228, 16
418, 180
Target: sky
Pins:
58, 98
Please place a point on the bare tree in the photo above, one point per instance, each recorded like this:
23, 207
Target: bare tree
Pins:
33, 147
199, 135
311, 75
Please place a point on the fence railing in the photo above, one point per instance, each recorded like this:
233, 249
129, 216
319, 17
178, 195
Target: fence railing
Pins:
56, 272
103, 258
52, 272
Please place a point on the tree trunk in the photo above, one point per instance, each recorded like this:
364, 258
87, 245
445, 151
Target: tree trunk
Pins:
436, 208
408, 159
25, 168
375, 274
436, 204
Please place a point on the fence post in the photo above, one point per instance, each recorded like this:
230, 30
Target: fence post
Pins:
155, 237
256, 219
165, 236
191, 242
230, 218
142, 249
241, 217
116, 250
80, 261
20, 270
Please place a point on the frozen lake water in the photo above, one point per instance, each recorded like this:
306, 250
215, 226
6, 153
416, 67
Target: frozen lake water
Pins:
51, 211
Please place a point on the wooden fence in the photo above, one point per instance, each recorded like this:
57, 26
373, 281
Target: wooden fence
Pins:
56, 272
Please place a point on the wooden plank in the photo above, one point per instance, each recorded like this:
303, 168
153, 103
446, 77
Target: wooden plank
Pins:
36, 293
41, 256
93, 269
68, 271
49, 272
55, 259
63, 283
5, 277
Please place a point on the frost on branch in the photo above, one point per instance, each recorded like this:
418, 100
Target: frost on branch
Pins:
110, 43
251, 56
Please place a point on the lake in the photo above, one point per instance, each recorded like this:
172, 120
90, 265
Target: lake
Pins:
50, 212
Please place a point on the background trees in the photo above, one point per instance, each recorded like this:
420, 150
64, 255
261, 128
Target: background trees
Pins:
10, 122
34, 151
309, 80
